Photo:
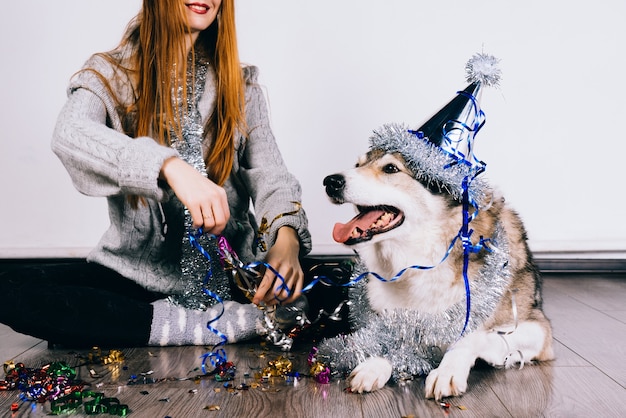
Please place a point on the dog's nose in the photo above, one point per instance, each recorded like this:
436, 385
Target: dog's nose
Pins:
335, 184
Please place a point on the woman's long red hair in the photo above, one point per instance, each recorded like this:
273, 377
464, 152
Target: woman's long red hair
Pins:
157, 40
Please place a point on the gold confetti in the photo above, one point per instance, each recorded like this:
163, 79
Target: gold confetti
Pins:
212, 407
279, 367
115, 356
8, 366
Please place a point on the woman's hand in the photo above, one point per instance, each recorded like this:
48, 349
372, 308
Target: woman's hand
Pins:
283, 257
205, 200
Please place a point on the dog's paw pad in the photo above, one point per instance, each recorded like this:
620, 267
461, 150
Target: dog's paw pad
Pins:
370, 375
444, 382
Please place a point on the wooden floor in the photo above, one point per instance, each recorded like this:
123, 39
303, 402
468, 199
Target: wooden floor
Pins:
588, 378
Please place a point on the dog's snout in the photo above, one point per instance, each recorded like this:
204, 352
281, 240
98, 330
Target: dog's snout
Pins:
335, 183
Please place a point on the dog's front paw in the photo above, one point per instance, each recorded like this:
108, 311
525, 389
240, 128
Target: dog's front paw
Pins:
370, 375
446, 380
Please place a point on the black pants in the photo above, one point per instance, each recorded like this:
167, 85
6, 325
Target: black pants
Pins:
80, 305
75, 304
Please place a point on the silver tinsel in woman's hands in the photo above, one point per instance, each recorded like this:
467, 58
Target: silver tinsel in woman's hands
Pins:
194, 265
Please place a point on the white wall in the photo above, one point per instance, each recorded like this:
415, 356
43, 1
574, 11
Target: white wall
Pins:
554, 138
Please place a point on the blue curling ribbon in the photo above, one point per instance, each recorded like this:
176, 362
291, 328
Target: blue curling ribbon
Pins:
477, 167
325, 280
468, 133
218, 354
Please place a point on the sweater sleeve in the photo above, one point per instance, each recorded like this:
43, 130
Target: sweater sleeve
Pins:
275, 192
101, 160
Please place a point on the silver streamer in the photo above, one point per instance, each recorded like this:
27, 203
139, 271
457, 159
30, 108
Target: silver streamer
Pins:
416, 350
429, 163
195, 265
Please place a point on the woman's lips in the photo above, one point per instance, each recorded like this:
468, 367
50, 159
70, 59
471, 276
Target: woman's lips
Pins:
198, 8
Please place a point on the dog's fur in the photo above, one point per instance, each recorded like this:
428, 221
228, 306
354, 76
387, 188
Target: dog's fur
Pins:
426, 221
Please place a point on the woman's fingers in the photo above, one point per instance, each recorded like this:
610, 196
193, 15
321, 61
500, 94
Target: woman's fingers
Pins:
214, 217
211, 217
208, 220
278, 290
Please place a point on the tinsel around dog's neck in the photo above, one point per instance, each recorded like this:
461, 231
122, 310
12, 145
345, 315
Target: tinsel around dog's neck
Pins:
429, 163
415, 350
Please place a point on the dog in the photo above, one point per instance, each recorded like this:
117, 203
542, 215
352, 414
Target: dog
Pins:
403, 220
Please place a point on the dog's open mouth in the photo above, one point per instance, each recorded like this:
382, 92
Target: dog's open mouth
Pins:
370, 221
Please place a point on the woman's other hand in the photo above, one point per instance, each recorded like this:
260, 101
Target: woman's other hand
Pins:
283, 257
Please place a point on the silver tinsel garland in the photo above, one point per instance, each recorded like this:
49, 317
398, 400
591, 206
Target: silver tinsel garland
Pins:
416, 349
429, 163
195, 265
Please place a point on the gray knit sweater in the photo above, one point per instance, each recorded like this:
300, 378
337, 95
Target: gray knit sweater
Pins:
102, 161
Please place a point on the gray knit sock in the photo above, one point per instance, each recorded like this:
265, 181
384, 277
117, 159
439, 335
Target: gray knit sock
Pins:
175, 325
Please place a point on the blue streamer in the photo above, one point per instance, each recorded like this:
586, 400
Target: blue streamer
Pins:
217, 355
329, 282
478, 167
467, 134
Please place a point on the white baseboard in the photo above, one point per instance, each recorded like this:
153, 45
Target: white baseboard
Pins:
541, 249
604, 258
18, 253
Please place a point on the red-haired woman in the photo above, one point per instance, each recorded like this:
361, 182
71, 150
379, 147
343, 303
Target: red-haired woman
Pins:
174, 132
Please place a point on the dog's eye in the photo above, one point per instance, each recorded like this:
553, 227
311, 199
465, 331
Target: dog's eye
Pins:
390, 169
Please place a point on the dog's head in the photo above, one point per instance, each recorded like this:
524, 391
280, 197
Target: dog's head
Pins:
386, 195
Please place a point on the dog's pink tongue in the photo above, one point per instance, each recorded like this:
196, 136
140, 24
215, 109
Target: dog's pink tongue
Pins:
343, 232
